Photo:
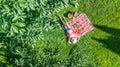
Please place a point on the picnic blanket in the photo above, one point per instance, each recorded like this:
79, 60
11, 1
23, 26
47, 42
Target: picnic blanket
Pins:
80, 26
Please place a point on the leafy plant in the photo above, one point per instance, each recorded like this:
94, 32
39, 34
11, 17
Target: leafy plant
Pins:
22, 23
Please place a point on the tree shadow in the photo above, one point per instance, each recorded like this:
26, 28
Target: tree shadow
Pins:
113, 31
113, 41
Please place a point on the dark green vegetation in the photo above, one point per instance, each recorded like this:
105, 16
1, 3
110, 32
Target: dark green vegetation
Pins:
31, 34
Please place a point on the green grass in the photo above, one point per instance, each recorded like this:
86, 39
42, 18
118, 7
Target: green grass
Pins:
103, 42
102, 45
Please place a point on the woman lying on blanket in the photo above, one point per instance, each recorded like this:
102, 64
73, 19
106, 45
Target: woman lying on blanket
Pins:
72, 37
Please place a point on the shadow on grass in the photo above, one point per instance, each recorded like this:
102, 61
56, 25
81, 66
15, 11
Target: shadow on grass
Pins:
113, 41
113, 31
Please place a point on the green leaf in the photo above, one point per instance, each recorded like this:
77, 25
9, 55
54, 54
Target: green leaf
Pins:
15, 29
6, 7
41, 1
0, 45
22, 3
11, 32
5, 26
15, 18
31, 6
22, 31
18, 24
37, 2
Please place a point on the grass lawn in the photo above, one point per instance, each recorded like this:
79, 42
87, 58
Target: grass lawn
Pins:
101, 47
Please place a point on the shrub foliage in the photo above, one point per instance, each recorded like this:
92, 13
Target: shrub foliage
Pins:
22, 23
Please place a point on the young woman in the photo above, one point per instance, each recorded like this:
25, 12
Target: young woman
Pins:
72, 38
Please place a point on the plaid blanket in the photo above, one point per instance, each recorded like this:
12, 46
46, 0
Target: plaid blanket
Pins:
79, 26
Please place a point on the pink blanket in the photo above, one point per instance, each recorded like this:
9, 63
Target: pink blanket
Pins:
79, 26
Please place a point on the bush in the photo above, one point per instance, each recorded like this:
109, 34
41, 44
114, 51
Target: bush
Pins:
21, 25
